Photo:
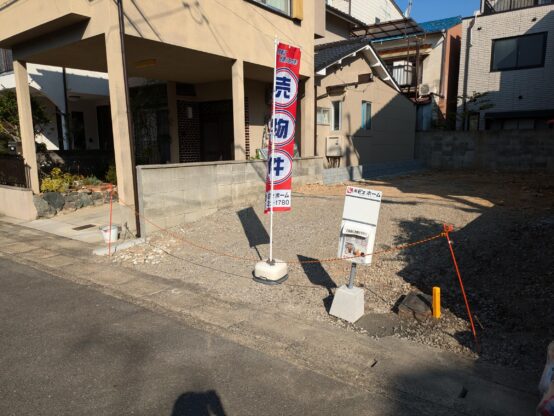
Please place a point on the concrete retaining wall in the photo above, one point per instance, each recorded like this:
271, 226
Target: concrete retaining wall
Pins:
505, 150
370, 171
174, 194
17, 203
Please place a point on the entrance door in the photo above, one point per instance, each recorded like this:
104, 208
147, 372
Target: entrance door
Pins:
216, 120
105, 132
78, 130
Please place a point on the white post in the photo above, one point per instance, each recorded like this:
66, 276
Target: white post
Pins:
272, 126
271, 272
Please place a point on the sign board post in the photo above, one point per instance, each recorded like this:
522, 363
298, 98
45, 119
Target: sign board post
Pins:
356, 242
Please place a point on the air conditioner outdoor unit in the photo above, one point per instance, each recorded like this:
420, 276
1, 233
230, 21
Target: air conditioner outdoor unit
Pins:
333, 146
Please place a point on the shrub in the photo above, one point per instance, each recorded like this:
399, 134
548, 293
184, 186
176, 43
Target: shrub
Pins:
92, 181
58, 181
111, 175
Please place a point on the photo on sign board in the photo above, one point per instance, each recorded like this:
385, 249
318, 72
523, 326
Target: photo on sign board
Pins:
354, 246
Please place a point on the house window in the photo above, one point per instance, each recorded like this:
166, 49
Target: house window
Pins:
520, 52
337, 115
323, 116
6, 61
282, 6
366, 115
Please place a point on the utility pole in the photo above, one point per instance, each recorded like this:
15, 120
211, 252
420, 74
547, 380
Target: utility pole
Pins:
408, 11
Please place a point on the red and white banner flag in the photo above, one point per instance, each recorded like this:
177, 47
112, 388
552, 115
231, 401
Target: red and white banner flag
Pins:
283, 127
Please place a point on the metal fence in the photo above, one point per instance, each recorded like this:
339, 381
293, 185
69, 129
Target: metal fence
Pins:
13, 171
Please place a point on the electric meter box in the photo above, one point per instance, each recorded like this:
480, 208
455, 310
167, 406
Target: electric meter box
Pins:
359, 224
333, 146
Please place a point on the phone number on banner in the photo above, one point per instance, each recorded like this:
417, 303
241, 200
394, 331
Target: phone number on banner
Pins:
281, 199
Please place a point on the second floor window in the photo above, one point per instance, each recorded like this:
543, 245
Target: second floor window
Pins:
366, 115
519, 52
6, 61
282, 6
337, 116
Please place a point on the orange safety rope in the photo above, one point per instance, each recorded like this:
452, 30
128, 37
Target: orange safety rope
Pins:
251, 259
448, 229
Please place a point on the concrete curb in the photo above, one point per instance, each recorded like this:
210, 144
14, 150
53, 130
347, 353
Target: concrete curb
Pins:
103, 251
430, 380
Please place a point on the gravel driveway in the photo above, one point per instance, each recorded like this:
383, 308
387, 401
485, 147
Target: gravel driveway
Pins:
504, 231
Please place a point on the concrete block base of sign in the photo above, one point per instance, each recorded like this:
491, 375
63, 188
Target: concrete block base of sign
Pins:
271, 273
348, 304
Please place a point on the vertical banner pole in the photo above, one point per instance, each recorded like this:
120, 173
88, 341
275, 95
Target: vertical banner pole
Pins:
272, 136
278, 183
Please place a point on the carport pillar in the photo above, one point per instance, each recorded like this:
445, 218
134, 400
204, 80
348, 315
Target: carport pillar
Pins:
121, 125
239, 124
26, 130
307, 108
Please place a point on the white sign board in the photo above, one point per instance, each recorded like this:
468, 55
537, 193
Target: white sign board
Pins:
359, 224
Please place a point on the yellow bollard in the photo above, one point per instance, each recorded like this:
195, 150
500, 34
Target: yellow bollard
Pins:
436, 302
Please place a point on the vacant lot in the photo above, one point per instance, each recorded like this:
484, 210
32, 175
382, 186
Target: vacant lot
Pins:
503, 240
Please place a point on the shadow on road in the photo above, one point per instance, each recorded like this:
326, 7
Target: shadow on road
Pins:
198, 404
318, 276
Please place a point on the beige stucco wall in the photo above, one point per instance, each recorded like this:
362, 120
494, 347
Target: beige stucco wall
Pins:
335, 29
433, 63
391, 137
236, 29
17, 203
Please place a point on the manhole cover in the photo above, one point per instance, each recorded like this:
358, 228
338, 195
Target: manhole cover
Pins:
84, 227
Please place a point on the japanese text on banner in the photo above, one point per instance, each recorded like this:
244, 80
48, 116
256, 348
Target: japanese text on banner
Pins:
283, 125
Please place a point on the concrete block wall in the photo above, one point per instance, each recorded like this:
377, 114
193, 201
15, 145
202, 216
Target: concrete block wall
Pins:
370, 171
504, 150
170, 195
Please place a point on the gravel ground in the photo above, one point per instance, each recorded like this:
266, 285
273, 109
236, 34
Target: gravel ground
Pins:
504, 229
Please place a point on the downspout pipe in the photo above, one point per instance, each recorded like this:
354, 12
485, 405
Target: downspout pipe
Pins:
66, 123
466, 69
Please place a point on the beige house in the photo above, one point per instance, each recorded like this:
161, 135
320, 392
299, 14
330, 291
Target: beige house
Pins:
362, 116
210, 63
425, 64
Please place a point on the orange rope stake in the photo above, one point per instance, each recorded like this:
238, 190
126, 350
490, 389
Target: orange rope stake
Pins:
448, 229
436, 302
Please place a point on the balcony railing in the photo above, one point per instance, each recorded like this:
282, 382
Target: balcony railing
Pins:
497, 6
404, 75
6, 61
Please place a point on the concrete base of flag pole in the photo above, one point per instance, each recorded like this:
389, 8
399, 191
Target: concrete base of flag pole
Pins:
271, 273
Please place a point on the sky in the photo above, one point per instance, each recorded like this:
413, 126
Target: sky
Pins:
425, 10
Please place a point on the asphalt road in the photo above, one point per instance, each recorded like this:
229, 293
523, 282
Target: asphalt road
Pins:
66, 349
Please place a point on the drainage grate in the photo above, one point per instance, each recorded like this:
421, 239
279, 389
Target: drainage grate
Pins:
84, 227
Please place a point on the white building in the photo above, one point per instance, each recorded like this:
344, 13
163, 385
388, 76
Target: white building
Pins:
86, 95
368, 11
508, 52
